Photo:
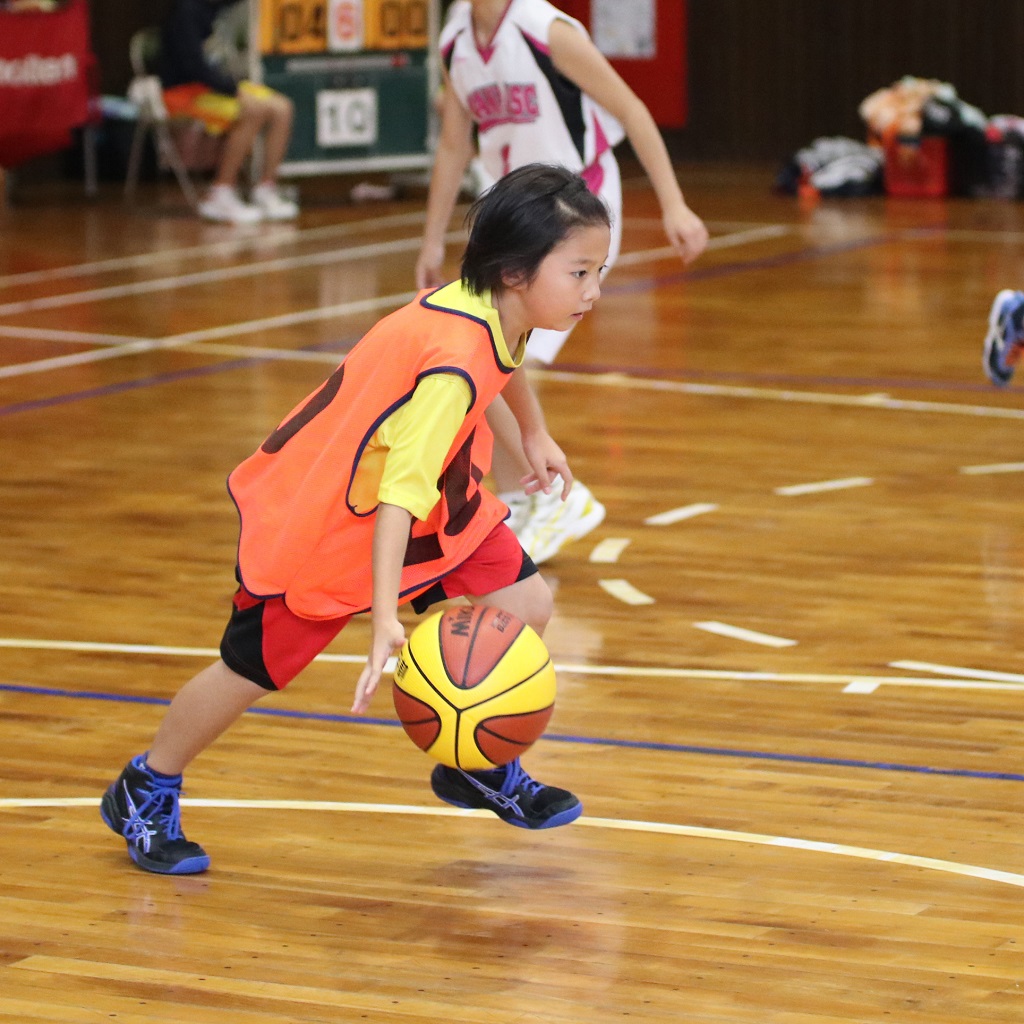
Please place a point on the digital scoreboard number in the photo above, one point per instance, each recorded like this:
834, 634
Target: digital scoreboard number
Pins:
343, 26
360, 75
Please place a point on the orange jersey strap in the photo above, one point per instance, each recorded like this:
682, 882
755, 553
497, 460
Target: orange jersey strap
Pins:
307, 526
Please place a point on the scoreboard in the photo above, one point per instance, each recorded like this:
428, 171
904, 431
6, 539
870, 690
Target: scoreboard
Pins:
361, 73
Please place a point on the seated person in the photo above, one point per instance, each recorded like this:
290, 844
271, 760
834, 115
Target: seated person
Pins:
195, 87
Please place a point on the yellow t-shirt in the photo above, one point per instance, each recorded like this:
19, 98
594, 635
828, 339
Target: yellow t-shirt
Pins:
412, 444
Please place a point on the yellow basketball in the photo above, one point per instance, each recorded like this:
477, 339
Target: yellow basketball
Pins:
474, 687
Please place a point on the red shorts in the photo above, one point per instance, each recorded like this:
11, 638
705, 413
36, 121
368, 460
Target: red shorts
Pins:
268, 644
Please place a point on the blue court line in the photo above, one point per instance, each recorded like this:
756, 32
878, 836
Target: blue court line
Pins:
128, 385
672, 748
158, 379
785, 259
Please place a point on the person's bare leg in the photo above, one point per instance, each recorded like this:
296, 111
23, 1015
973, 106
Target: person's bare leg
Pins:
529, 600
203, 708
239, 141
279, 133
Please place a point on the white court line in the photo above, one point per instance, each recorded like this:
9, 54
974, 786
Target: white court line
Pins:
135, 346
724, 226
995, 467
864, 686
963, 235
70, 337
293, 319
953, 670
574, 668
277, 264
192, 337
677, 515
227, 247
262, 352
615, 824
630, 259
750, 636
609, 550
608, 380
624, 591
824, 485
80, 358
221, 274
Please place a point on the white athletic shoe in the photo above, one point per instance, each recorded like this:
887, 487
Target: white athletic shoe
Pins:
223, 204
519, 505
552, 523
272, 205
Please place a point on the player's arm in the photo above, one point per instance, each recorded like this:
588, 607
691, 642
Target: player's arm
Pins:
546, 459
454, 151
390, 539
582, 62
417, 437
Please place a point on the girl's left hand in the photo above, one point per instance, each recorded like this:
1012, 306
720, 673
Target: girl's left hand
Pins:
548, 462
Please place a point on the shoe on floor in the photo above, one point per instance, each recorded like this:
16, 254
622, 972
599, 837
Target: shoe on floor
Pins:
271, 204
143, 808
519, 505
1004, 339
509, 792
551, 523
224, 205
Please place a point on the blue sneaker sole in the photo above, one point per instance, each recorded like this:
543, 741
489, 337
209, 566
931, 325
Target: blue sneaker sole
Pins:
570, 814
188, 866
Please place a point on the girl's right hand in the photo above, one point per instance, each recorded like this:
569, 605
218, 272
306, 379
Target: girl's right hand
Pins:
686, 232
388, 637
430, 267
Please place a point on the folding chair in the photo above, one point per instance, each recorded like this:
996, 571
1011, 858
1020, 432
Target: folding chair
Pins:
146, 92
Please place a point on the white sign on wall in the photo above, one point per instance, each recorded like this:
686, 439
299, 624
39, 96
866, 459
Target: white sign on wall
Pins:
346, 117
624, 28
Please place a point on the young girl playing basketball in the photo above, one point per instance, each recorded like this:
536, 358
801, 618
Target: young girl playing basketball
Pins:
526, 80
368, 495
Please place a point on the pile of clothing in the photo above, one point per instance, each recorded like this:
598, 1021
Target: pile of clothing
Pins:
985, 155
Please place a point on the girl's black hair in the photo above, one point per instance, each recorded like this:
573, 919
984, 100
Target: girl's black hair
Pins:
520, 219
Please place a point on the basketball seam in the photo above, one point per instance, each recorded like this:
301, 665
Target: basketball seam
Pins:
512, 714
522, 682
429, 682
417, 721
469, 654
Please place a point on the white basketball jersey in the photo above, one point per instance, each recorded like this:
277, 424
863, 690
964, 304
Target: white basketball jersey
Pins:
524, 108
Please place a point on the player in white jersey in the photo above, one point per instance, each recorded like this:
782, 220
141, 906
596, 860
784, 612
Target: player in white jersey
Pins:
526, 80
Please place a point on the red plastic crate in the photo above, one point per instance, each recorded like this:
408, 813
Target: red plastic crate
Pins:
917, 167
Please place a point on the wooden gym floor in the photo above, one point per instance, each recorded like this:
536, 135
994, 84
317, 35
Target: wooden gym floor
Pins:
789, 663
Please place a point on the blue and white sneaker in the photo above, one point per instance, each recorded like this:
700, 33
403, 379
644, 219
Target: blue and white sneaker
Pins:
509, 792
143, 807
1004, 339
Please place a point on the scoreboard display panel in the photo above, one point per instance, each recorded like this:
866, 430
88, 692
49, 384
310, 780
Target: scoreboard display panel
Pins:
361, 74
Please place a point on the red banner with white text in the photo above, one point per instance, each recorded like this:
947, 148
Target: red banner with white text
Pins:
45, 68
